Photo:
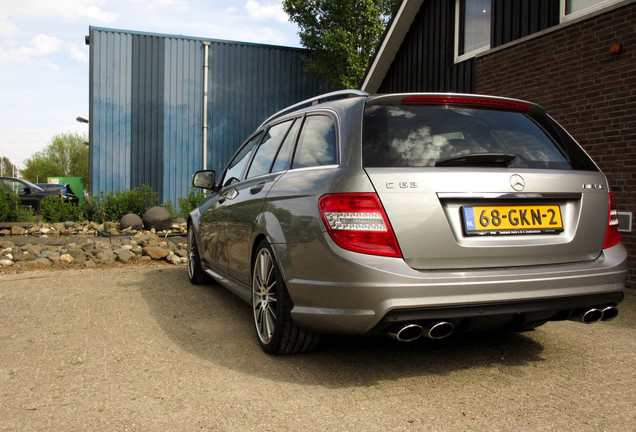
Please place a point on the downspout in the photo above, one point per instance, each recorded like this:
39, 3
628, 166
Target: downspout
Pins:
206, 69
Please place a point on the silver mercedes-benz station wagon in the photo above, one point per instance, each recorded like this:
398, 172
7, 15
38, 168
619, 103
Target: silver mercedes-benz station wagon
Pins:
409, 215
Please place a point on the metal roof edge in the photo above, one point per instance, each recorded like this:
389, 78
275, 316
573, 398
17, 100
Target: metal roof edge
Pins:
195, 38
390, 45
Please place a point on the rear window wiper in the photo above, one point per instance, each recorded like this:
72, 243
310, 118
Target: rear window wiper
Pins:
478, 159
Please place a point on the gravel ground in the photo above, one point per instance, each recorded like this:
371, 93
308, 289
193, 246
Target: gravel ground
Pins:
140, 349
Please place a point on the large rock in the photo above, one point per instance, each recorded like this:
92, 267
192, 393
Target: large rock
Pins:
155, 252
131, 220
158, 218
17, 230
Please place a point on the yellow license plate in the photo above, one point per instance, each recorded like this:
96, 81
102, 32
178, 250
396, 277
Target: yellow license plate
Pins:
535, 219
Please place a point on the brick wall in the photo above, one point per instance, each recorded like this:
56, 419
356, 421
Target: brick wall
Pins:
590, 91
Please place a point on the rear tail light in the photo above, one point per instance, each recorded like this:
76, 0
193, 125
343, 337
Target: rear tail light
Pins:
612, 236
357, 222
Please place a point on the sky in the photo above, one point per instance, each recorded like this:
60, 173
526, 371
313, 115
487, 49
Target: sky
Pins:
44, 60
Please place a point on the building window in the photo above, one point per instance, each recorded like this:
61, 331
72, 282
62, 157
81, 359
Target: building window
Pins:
472, 27
571, 9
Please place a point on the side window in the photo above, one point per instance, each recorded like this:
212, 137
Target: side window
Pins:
236, 167
317, 142
14, 186
266, 152
283, 158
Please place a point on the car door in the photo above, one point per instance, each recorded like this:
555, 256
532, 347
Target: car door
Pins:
213, 222
248, 200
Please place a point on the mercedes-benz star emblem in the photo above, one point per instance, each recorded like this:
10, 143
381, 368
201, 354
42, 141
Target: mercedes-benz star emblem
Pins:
517, 182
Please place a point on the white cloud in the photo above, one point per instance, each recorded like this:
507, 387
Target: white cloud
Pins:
78, 52
7, 29
68, 9
41, 45
269, 11
231, 10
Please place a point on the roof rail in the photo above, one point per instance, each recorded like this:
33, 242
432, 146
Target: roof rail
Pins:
340, 94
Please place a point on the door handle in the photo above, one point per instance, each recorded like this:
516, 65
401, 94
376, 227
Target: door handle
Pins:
256, 189
230, 194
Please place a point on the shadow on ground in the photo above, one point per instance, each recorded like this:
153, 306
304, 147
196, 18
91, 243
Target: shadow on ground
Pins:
213, 324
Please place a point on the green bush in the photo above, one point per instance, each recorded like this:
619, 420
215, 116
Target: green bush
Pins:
168, 206
9, 205
113, 205
54, 209
189, 203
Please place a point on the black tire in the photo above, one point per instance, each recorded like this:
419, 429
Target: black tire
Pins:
271, 309
195, 272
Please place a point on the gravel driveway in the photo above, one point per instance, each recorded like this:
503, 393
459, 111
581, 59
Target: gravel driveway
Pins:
140, 349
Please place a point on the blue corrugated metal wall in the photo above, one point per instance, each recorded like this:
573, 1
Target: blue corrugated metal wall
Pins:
146, 104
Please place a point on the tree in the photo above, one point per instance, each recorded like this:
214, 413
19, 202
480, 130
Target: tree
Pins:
342, 35
65, 156
7, 169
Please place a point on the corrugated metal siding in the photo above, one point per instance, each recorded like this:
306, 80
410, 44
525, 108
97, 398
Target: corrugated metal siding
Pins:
182, 115
425, 60
146, 104
147, 112
512, 20
247, 84
110, 111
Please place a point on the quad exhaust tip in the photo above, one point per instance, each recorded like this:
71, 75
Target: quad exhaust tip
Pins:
609, 313
593, 315
412, 332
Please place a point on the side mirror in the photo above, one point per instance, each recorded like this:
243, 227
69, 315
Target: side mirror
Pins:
26, 191
204, 179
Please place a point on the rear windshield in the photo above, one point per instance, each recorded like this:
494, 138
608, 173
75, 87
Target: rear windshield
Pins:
425, 136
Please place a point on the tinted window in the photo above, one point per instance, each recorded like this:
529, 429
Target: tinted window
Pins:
14, 186
422, 135
317, 142
266, 152
283, 159
236, 167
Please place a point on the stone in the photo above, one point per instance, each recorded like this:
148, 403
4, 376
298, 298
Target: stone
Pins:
155, 252
124, 255
6, 262
78, 255
173, 259
66, 258
131, 220
109, 226
105, 257
17, 231
5, 232
53, 256
158, 218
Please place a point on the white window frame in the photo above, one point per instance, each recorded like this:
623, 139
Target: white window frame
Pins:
473, 53
586, 11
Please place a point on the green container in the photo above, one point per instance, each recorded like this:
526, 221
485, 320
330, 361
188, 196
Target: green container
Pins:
74, 182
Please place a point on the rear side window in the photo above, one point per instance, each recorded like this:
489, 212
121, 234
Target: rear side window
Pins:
283, 158
423, 136
316, 143
266, 152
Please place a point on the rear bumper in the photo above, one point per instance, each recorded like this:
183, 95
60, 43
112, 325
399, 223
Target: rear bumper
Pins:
346, 292
499, 315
